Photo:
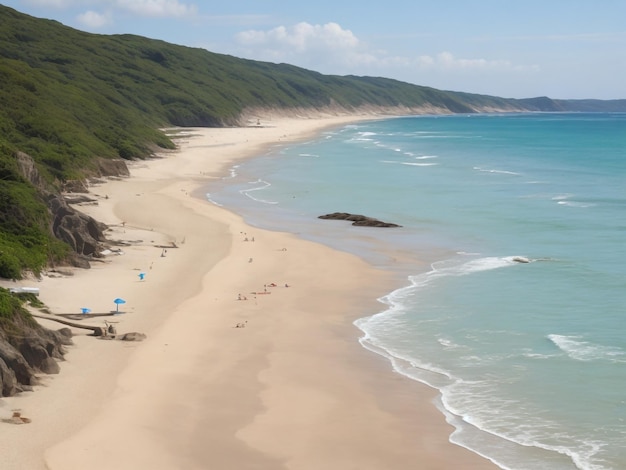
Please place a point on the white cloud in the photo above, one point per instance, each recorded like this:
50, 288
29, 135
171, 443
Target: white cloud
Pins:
447, 61
93, 19
301, 38
306, 45
150, 8
51, 3
329, 48
158, 8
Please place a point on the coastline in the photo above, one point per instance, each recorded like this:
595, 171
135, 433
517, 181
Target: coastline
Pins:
291, 389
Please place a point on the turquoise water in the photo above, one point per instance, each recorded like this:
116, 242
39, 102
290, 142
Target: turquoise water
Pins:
530, 358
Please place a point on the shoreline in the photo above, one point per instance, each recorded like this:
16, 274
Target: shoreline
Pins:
293, 388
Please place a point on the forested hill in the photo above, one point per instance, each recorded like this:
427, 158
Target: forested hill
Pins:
69, 99
67, 95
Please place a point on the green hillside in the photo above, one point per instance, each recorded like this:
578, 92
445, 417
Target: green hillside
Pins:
67, 97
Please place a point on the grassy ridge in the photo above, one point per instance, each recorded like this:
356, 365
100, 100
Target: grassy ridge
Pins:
11, 308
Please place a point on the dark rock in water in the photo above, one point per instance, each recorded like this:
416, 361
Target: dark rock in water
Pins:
358, 220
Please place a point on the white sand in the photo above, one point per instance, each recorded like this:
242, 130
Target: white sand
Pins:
292, 389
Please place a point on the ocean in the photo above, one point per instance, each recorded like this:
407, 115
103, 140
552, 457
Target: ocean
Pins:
510, 260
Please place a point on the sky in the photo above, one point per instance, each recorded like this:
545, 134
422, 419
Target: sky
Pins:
565, 49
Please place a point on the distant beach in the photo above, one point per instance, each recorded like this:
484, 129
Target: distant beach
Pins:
251, 358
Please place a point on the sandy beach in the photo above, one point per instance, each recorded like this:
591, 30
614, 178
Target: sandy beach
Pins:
251, 359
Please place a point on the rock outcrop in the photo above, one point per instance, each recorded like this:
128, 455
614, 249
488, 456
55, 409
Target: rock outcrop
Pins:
358, 220
34, 351
111, 167
82, 232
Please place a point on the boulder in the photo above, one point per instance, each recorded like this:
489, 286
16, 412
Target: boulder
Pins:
134, 336
112, 167
8, 382
11, 357
75, 186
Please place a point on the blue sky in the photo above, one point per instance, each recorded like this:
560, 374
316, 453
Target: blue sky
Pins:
566, 49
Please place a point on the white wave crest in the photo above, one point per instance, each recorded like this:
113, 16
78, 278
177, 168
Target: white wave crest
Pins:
393, 162
448, 343
264, 185
448, 268
419, 164
212, 201
500, 172
578, 349
488, 263
232, 172
575, 204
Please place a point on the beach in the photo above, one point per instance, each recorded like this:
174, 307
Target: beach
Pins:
251, 359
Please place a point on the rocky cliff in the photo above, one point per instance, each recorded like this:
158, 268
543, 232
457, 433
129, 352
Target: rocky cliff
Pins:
81, 232
26, 348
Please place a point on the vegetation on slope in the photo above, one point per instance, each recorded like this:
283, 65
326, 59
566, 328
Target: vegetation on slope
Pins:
26, 242
10, 309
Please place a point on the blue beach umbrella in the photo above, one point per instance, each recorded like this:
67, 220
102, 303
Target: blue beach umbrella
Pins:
117, 302
85, 310
142, 276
